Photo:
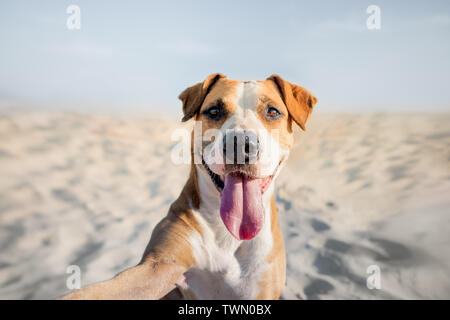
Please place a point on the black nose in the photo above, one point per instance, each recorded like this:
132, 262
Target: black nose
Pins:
240, 147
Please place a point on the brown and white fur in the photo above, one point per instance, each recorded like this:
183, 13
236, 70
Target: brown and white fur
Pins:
191, 254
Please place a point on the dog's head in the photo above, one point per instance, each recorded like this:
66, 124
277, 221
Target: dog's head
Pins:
246, 135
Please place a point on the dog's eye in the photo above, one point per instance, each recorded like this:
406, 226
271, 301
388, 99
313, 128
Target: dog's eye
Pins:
272, 113
214, 112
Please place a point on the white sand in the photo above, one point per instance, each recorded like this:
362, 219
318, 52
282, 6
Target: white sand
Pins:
358, 190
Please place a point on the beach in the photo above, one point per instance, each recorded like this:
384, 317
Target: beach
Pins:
358, 190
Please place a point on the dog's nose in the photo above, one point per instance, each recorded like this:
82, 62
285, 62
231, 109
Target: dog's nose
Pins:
240, 147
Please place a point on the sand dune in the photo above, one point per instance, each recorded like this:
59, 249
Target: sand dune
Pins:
358, 190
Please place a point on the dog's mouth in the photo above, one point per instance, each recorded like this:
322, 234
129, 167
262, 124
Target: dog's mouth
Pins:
218, 180
241, 205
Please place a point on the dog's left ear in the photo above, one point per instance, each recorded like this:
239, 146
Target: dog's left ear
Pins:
298, 100
194, 96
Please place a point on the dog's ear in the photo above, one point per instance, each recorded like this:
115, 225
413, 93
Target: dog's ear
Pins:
194, 96
298, 100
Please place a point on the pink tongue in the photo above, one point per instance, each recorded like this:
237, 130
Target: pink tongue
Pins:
241, 207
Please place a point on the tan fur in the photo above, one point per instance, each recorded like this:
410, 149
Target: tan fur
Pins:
193, 97
274, 279
283, 126
225, 90
169, 253
298, 100
169, 240
167, 256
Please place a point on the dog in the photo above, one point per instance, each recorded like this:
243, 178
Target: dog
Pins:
221, 238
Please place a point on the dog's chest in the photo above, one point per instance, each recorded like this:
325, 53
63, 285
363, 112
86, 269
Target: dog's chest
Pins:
226, 268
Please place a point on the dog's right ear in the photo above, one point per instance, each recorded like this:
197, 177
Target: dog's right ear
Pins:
194, 96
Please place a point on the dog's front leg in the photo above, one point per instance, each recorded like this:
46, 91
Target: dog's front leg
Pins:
167, 256
148, 280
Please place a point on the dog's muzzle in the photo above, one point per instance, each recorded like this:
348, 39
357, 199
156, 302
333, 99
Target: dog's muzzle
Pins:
240, 147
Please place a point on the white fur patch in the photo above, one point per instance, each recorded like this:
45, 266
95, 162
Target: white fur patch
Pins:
245, 118
226, 268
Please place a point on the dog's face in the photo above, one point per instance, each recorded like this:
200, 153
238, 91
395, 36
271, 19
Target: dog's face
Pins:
246, 135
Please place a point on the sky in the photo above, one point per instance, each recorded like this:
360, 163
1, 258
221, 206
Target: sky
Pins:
139, 55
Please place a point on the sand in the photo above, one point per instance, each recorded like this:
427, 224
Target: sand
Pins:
358, 190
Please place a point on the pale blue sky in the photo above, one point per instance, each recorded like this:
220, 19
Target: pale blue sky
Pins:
139, 55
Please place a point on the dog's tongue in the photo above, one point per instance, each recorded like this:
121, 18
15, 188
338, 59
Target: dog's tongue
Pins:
241, 206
